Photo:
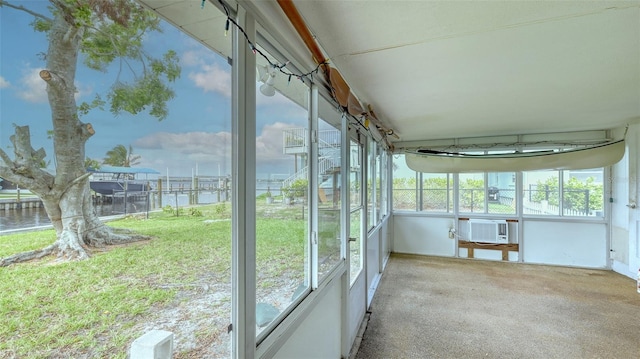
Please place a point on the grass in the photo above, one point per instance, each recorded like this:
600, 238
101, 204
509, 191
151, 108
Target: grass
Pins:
97, 307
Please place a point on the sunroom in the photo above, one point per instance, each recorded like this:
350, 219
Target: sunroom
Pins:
396, 96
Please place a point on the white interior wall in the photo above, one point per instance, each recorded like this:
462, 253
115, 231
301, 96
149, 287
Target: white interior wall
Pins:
319, 335
619, 211
578, 244
633, 142
387, 237
357, 306
620, 236
625, 258
556, 242
373, 263
416, 234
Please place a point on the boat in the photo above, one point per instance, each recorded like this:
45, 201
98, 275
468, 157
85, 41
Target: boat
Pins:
431, 161
112, 180
111, 187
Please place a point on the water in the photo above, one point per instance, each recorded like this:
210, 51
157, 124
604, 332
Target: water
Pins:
23, 218
36, 217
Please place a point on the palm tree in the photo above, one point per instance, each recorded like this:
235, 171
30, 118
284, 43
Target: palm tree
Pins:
119, 156
91, 163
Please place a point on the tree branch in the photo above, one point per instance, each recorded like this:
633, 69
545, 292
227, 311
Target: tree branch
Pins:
5, 158
26, 157
22, 8
53, 79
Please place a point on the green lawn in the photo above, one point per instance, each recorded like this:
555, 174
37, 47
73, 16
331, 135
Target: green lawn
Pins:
96, 307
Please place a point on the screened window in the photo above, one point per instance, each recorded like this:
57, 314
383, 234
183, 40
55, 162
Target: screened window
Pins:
96, 308
384, 182
282, 222
404, 186
501, 192
583, 193
356, 211
378, 183
437, 192
541, 192
471, 192
371, 179
329, 197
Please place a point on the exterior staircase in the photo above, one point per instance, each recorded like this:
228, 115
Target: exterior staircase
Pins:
296, 142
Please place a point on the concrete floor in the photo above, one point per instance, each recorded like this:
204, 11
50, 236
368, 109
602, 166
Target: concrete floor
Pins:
431, 307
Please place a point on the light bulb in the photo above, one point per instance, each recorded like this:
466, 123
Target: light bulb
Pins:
267, 88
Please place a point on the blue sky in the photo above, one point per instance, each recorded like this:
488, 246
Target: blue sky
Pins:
196, 132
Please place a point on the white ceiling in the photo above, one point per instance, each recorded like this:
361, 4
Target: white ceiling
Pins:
451, 69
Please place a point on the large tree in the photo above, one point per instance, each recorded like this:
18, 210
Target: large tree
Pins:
99, 32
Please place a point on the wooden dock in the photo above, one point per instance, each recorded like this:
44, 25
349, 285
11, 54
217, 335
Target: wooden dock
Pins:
22, 203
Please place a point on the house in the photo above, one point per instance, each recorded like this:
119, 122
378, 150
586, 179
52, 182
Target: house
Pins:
400, 77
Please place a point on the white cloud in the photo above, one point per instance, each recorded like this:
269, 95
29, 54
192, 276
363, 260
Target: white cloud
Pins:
190, 143
191, 58
32, 88
269, 142
180, 152
4, 83
212, 78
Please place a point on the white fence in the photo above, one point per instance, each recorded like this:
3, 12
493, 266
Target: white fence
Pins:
543, 207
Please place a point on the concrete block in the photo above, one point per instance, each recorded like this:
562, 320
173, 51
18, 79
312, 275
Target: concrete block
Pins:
156, 344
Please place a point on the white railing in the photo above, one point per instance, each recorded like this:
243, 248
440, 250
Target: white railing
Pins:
298, 137
328, 143
324, 166
543, 207
294, 137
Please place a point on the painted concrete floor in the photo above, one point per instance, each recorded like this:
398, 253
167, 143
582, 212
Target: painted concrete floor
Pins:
431, 307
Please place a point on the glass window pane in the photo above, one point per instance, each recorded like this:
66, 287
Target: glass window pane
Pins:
355, 176
501, 192
329, 201
282, 173
541, 192
404, 185
471, 193
371, 177
95, 308
378, 183
384, 182
355, 221
437, 192
583, 193
355, 248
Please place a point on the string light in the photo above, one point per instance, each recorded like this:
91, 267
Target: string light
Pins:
255, 50
281, 67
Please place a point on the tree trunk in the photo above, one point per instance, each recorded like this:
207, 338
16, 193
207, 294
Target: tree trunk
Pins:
66, 196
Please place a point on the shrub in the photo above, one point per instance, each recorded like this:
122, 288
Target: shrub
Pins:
195, 212
219, 208
298, 188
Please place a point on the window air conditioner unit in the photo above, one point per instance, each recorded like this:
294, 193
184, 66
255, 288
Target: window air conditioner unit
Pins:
488, 231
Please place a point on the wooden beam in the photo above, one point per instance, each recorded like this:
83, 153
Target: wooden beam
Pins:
504, 247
